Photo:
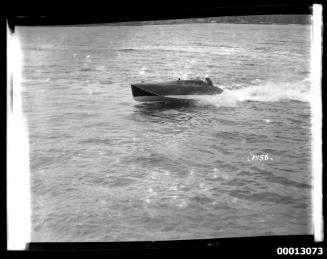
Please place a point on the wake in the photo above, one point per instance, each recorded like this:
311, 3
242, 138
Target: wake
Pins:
267, 92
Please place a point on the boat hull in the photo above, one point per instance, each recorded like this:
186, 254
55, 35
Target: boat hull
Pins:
142, 95
184, 90
157, 98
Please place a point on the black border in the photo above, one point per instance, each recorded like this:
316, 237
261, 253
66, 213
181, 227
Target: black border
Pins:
228, 246
3, 123
165, 13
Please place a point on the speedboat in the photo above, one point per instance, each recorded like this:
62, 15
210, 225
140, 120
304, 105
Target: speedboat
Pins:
173, 90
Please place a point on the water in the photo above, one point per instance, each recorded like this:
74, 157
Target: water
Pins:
106, 168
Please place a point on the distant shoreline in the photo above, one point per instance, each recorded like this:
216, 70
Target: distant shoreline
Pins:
130, 24
254, 19
134, 24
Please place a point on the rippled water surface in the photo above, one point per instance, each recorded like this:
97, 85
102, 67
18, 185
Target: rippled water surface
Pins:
106, 168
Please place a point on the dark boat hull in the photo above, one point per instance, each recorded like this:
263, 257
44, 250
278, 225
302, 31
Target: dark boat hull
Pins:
172, 91
142, 95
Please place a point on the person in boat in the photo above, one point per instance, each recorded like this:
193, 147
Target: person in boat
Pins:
208, 81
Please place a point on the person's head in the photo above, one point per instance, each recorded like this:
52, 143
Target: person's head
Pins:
208, 81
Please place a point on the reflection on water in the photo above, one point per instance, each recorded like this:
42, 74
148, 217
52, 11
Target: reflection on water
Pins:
157, 107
